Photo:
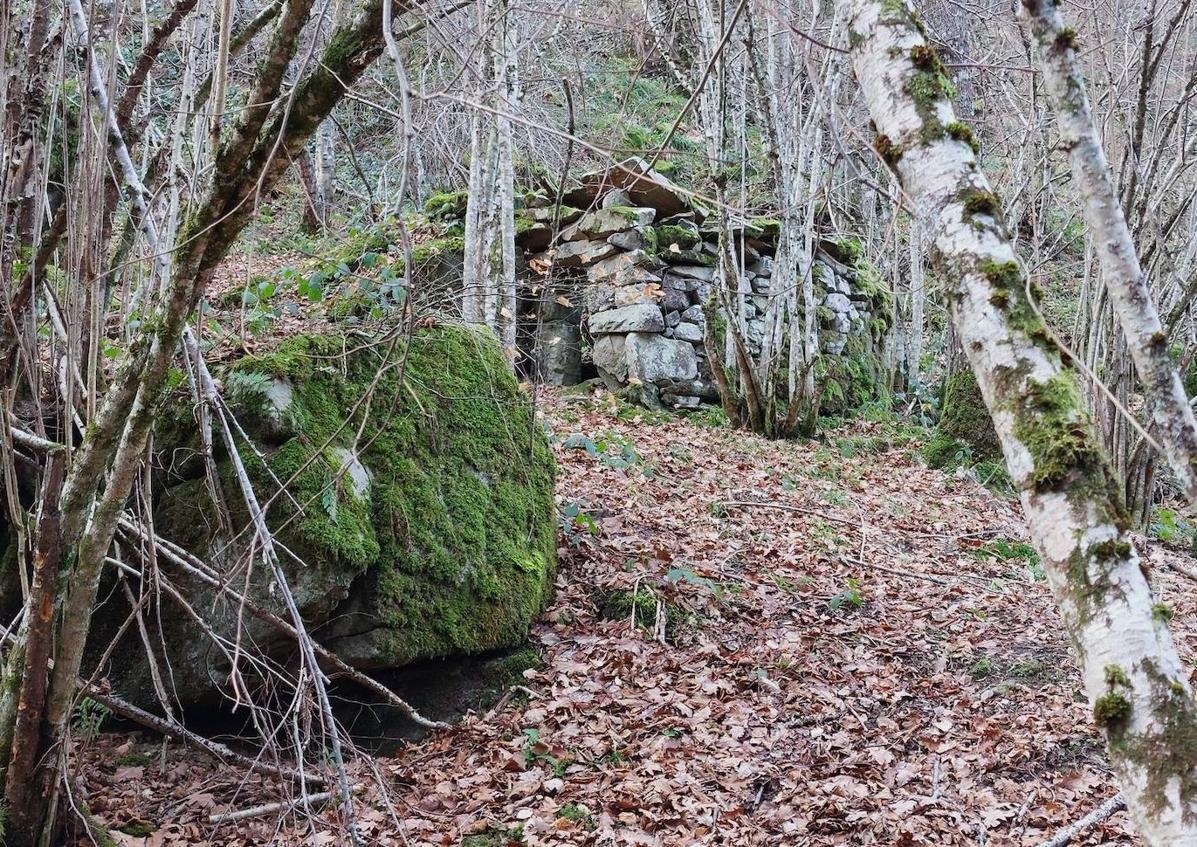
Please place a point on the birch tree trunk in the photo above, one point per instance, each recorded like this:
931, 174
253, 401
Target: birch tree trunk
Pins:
1135, 682
506, 96
1147, 342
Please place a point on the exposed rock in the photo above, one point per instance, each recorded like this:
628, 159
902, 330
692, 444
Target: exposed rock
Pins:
559, 348
689, 332
620, 268
630, 239
837, 302
638, 318
610, 357
762, 267
698, 272
436, 538
643, 185
532, 236
573, 254
654, 357
569, 214
675, 301
616, 197
694, 315
603, 223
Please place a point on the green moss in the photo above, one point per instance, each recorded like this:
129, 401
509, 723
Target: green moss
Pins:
1110, 710
427, 251
139, 829
456, 538
1112, 550
1167, 751
981, 203
509, 670
1054, 427
641, 608
134, 760
1162, 613
766, 227
495, 836
668, 234
963, 132
1115, 675
576, 813
965, 429
1066, 39
446, 205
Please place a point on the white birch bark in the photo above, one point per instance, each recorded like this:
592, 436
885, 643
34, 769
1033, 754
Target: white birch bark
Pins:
1125, 281
1133, 677
507, 95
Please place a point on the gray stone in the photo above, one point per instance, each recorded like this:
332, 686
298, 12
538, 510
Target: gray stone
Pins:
763, 267
535, 238
575, 254
620, 267
833, 343
615, 197
654, 358
673, 319
606, 222
638, 318
837, 302
629, 239
688, 332
671, 280
610, 357
559, 353
697, 272
675, 301
627, 295
761, 302
356, 474
694, 315
569, 214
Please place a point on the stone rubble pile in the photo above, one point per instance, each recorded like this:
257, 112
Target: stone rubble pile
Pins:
634, 266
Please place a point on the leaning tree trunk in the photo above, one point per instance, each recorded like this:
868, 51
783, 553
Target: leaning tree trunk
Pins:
1136, 684
1171, 415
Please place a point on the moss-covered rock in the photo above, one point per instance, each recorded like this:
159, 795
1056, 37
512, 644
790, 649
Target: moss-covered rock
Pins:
965, 430
432, 534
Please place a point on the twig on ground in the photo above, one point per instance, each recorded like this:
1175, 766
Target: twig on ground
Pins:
1101, 813
275, 808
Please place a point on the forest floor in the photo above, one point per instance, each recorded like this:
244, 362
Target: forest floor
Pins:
871, 656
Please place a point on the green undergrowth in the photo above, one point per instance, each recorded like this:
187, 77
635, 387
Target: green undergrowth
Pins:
641, 607
495, 836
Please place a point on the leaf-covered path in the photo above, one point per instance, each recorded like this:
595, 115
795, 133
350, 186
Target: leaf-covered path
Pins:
870, 657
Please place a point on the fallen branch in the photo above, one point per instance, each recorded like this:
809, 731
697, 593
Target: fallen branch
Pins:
275, 808
1101, 813
171, 729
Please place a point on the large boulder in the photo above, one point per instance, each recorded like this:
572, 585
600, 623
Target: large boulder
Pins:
431, 534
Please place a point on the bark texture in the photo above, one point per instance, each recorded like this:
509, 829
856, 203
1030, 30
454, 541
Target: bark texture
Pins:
1147, 342
1133, 677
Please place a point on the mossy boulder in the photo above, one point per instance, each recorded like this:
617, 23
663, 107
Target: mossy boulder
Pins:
420, 522
965, 431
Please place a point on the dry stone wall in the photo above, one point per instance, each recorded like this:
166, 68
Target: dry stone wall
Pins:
633, 266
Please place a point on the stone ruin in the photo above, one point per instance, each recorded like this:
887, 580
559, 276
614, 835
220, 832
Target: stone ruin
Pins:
632, 267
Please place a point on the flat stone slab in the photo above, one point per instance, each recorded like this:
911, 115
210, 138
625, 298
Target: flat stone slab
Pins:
642, 317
